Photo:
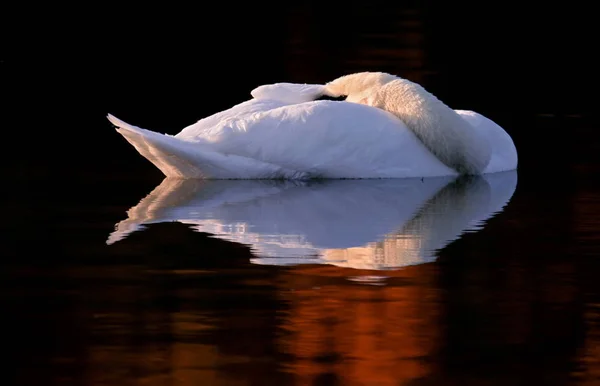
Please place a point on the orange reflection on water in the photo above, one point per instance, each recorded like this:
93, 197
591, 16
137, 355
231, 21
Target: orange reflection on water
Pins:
143, 357
587, 225
359, 333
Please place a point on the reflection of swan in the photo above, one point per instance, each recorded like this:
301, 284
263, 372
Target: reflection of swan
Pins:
377, 224
284, 133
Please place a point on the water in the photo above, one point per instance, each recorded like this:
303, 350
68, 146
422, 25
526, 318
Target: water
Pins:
511, 296
486, 281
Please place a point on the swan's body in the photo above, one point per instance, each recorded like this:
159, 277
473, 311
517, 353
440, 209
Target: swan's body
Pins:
442, 130
282, 133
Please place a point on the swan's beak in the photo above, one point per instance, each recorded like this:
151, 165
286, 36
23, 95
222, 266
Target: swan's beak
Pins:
325, 97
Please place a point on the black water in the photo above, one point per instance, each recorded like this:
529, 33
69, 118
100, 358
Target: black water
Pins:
515, 302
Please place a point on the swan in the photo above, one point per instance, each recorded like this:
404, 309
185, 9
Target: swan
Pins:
285, 132
399, 222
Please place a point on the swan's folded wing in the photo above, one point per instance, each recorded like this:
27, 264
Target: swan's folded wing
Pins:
289, 93
330, 140
181, 159
205, 127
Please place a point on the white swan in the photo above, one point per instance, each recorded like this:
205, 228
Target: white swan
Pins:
283, 132
399, 222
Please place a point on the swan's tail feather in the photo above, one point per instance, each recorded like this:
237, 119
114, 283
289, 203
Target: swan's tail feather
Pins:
177, 158
117, 122
158, 149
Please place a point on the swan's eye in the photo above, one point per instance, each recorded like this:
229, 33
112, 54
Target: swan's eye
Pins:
330, 98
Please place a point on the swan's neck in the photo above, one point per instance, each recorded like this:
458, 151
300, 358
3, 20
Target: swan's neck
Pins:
442, 130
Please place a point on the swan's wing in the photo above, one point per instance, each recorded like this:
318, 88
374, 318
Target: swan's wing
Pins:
328, 139
203, 128
182, 159
289, 93
265, 98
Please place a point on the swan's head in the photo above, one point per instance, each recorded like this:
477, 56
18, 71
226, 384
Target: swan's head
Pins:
355, 87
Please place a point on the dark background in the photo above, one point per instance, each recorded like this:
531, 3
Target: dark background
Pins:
530, 67
529, 277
